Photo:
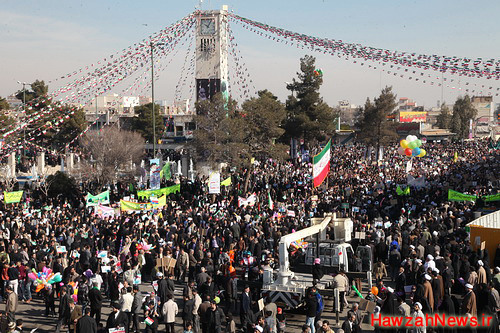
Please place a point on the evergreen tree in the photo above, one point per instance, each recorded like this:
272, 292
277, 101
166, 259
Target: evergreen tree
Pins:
375, 128
463, 113
56, 127
143, 123
444, 117
4, 105
262, 119
5, 120
308, 117
38, 89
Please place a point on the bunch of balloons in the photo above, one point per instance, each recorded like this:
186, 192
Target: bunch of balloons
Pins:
74, 285
44, 278
318, 72
411, 147
144, 246
357, 291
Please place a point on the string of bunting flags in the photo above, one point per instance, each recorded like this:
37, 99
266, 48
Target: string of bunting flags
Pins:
409, 62
462, 66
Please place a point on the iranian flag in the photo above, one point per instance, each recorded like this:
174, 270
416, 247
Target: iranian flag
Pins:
321, 165
270, 201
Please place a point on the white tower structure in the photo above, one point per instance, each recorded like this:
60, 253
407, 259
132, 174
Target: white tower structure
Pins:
211, 53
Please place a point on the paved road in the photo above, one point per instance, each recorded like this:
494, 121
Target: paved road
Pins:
33, 315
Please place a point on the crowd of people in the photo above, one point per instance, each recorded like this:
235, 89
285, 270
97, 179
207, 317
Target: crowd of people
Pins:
423, 258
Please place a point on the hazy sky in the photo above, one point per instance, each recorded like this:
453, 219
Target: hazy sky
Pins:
46, 39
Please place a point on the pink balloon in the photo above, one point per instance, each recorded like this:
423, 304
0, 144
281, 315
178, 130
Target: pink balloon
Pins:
75, 298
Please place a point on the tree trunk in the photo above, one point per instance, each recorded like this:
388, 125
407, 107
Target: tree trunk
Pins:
247, 179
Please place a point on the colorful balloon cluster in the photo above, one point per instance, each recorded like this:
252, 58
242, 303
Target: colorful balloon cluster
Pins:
318, 72
44, 278
74, 285
411, 147
145, 246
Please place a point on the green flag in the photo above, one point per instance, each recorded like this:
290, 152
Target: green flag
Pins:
131, 188
101, 198
128, 205
160, 192
226, 182
12, 197
457, 196
493, 197
165, 171
406, 191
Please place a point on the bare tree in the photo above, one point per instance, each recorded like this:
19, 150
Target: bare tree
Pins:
45, 182
110, 153
7, 178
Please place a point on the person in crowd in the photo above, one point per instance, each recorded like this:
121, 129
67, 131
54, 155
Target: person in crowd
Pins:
169, 311
117, 318
215, 240
95, 300
86, 323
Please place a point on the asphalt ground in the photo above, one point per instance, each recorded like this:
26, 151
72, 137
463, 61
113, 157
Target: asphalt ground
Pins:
33, 314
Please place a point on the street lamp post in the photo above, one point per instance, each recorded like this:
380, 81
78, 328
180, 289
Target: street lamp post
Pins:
24, 110
153, 98
153, 92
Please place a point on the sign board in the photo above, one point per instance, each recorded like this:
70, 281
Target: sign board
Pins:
344, 205
105, 269
360, 235
102, 254
261, 304
412, 117
483, 245
366, 305
117, 330
61, 249
214, 183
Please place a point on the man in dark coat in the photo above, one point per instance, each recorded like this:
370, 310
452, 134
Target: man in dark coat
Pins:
170, 285
215, 317
162, 289
246, 307
187, 313
348, 325
86, 324
401, 283
136, 308
95, 299
117, 318
64, 310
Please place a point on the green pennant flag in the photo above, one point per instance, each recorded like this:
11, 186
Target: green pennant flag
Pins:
406, 191
101, 198
457, 196
163, 191
131, 188
165, 171
491, 198
12, 197
226, 182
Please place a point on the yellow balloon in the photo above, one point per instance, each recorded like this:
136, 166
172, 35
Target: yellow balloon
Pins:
404, 144
422, 153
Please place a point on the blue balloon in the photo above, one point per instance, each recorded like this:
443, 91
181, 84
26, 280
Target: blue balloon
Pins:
415, 151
